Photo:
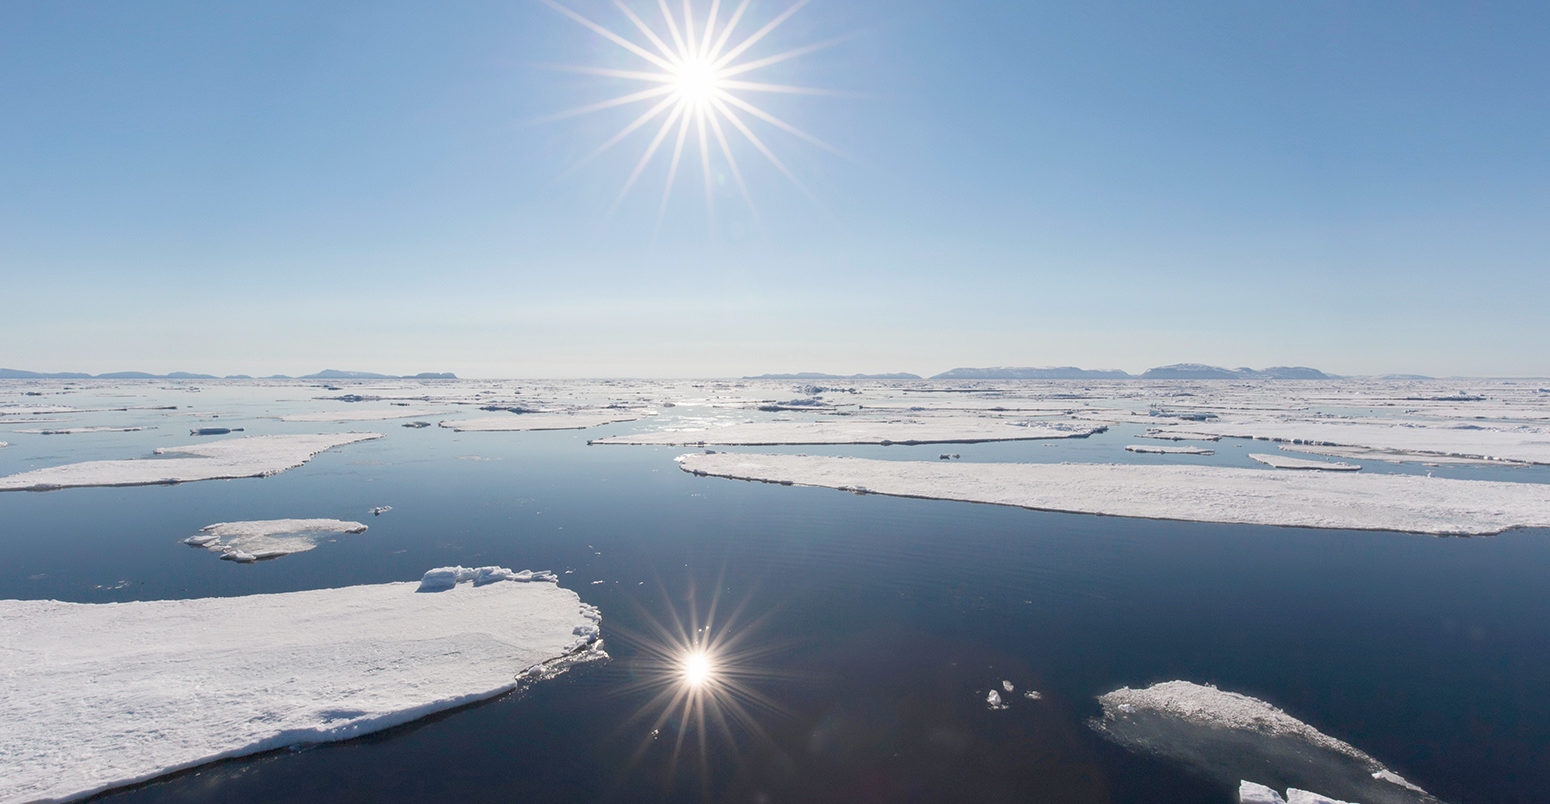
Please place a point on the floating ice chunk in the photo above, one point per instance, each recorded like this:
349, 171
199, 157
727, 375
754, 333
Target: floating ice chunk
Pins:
993, 700
1195, 493
252, 456
1231, 737
3, 444
102, 695
938, 430
75, 430
1006, 685
444, 578
381, 509
256, 540
1252, 793
1286, 462
544, 421
1033, 695
1170, 450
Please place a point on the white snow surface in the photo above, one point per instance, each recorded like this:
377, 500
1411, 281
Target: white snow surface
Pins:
251, 456
517, 422
256, 540
1164, 450
846, 430
363, 415
1407, 503
1502, 442
1288, 462
102, 695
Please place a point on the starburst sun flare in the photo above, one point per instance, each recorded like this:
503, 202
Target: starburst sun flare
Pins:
696, 68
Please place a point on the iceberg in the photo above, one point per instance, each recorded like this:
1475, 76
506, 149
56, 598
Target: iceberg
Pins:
100, 695
1405, 503
1233, 737
251, 456
257, 540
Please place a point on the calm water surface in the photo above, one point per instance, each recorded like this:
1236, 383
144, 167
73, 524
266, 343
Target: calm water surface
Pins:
882, 622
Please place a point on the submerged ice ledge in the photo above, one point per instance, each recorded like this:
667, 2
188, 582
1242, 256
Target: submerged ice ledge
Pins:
252, 456
1343, 500
103, 695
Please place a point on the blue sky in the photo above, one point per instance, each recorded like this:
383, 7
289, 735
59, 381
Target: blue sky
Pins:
279, 187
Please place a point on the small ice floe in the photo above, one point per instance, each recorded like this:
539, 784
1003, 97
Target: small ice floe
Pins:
3, 444
209, 431
381, 509
99, 695
358, 415
257, 540
416, 425
1163, 450
1230, 737
1007, 685
948, 456
250, 456
579, 420
1284, 462
1252, 793
1033, 695
993, 701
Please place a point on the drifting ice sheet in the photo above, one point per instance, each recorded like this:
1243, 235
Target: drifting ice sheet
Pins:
253, 456
257, 540
515, 422
1523, 443
1231, 737
102, 695
1195, 493
947, 430
1288, 462
1161, 450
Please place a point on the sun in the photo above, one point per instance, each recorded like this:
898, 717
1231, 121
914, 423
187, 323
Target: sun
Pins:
697, 668
696, 71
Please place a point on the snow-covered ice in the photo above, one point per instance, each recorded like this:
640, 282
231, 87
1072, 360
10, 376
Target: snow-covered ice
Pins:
1502, 442
102, 695
1288, 462
257, 540
76, 430
1164, 450
252, 456
366, 415
1234, 737
1253, 793
515, 422
940, 430
993, 700
1406, 503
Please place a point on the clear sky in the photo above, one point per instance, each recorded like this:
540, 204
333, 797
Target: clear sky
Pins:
279, 187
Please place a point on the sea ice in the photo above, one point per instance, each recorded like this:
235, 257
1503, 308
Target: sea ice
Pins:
359, 415
258, 540
1234, 737
1169, 450
100, 695
993, 700
1502, 442
518, 422
1407, 503
941, 430
75, 430
252, 456
1287, 462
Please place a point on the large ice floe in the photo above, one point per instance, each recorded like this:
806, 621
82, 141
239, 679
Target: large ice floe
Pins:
252, 456
1497, 442
258, 540
1288, 462
1408, 503
513, 422
1233, 737
99, 695
941, 430
1164, 450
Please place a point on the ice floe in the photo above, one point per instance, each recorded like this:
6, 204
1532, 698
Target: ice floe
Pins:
1234, 737
358, 415
75, 430
1407, 503
945, 430
1523, 443
1160, 450
1287, 462
102, 695
252, 456
257, 540
518, 422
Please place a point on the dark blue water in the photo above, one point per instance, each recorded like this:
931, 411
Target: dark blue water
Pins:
881, 622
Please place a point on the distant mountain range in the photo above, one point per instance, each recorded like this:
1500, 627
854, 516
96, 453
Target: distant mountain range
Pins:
326, 374
1199, 371
1014, 373
817, 375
